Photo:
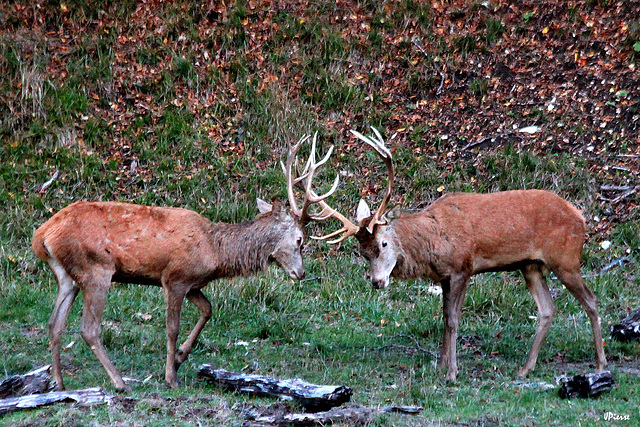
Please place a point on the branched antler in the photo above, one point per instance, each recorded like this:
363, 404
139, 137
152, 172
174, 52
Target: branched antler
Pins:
385, 154
306, 178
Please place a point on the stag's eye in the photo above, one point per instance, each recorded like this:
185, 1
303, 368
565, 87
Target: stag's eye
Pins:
299, 241
384, 244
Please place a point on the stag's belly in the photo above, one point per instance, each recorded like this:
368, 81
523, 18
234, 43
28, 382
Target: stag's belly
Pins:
505, 261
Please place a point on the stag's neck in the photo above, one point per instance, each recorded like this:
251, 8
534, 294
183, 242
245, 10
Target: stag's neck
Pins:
242, 249
416, 236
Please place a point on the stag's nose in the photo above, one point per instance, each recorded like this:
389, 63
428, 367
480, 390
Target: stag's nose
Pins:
379, 284
297, 274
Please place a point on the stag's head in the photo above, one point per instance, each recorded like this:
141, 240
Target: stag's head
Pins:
374, 232
292, 221
288, 237
378, 245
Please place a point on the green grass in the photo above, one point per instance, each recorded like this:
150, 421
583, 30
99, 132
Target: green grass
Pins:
332, 329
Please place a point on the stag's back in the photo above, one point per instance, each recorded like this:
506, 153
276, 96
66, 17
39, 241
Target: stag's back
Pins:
499, 229
136, 242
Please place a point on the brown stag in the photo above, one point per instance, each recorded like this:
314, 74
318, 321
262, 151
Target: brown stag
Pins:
463, 234
88, 245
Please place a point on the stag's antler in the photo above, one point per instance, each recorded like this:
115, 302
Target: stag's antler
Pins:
348, 228
378, 145
306, 179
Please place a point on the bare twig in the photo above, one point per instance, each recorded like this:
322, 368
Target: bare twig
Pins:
618, 262
628, 191
351, 415
483, 140
410, 349
48, 183
442, 75
619, 187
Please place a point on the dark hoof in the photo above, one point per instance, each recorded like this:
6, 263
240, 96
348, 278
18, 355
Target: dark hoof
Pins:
123, 390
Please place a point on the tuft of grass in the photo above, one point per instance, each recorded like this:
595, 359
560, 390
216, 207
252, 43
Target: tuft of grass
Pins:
479, 87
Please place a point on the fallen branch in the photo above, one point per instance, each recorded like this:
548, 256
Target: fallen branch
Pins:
34, 382
85, 397
587, 385
628, 329
349, 416
312, 397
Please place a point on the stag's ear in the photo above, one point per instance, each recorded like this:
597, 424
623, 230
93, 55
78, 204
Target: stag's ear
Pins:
263, 206
391, 214
363, 211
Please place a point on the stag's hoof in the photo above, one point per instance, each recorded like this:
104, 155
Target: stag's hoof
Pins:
524, 372
173, 384
124, 389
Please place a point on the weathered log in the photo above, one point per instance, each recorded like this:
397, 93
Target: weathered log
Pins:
628, 329
85, 397
312, 397
352, 415
34, 382
586, 385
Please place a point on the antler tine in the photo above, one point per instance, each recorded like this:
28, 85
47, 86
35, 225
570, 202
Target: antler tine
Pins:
307, 178
288, 173
384, 152
348, 228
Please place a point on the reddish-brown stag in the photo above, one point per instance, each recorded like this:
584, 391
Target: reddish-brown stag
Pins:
463, 234
88, 245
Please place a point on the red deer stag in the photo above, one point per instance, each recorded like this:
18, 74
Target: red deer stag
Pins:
463, 234
88, 245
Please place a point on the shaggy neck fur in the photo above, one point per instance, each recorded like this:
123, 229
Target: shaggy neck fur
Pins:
246, 248
415, 236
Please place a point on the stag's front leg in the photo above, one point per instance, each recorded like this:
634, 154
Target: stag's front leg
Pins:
453, 293
196, 297
174, 298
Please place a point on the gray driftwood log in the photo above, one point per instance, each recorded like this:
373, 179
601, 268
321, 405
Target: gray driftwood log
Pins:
37, 381
312, 397
353, 415
587, 385
85, 397
628, 329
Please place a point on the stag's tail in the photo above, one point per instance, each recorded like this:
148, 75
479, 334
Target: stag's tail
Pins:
37, 244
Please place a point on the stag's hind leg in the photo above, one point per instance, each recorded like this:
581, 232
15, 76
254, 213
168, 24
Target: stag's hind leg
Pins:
94, 290
537, 285
67, 292
573, 281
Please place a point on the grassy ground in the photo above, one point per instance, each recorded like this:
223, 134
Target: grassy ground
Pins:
139, 113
